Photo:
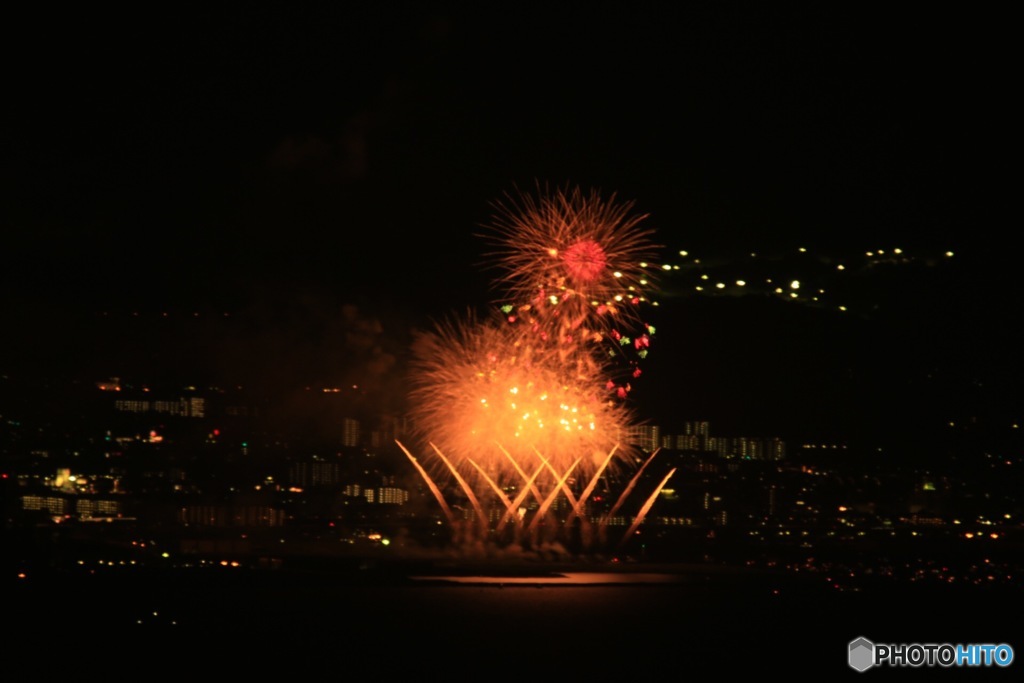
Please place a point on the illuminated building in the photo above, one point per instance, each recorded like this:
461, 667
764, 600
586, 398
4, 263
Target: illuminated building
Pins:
91, 508
231, 516
646, 437
315, 473
350, 432
55, 505
387, 495
389, 428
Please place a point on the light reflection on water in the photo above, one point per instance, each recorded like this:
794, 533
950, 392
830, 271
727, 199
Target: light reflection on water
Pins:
568, 624
564, 578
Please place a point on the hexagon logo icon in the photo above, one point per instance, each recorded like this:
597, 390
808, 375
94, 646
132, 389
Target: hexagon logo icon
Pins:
862, 654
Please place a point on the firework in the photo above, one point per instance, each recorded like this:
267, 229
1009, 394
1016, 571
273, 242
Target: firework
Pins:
575, 269
576, 253
523, 409
484, 392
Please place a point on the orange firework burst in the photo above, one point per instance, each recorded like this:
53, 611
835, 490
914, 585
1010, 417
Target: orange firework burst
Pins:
483, 392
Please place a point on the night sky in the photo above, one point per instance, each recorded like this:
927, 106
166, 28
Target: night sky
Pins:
285, 196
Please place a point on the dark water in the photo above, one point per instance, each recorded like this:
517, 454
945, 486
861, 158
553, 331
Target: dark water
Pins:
406, 621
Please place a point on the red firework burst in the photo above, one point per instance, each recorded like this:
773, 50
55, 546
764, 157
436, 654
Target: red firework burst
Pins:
578, 251
585, 261
575, 267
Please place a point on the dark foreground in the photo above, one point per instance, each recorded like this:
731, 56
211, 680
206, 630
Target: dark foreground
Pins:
524, 622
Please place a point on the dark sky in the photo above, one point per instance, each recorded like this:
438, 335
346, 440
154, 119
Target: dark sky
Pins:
278, 165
